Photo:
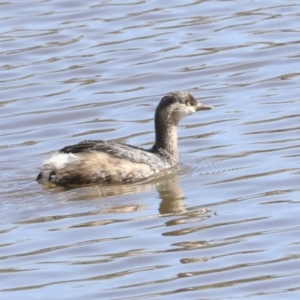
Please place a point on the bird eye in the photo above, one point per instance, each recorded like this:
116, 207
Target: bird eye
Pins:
188, 103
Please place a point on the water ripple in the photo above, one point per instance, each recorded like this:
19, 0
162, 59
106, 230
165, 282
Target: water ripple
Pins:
226, 223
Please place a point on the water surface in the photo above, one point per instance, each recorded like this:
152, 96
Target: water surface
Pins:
226, 225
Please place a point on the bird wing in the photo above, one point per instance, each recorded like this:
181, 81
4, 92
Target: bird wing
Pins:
123, 151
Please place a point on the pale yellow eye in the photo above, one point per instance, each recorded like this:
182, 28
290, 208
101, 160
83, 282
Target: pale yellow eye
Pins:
188, 103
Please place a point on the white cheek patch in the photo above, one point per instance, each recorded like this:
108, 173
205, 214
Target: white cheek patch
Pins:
179, 114
189, 110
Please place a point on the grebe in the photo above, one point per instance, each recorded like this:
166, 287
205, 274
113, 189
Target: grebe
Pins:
93, 161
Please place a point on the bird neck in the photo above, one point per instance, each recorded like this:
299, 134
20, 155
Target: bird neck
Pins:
166, 137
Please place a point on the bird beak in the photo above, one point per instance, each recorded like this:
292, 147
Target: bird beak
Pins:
201, 106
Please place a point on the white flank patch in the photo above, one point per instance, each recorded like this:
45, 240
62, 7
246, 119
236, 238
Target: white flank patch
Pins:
59, 160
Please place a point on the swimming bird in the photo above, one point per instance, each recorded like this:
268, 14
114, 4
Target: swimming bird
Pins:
97, 161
